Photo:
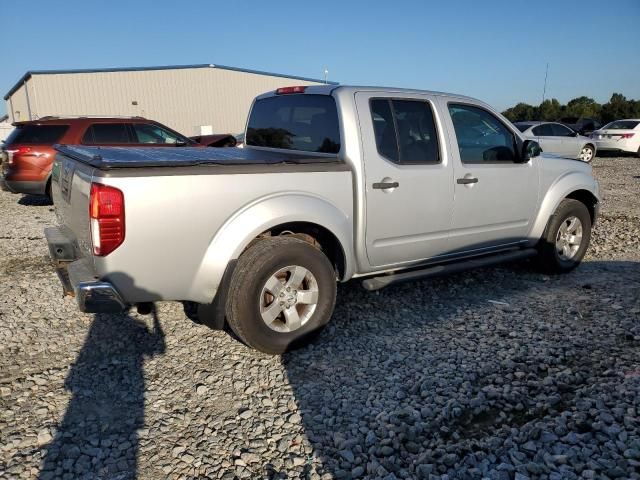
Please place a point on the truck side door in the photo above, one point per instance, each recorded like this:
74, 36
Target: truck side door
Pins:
496, 197
408, 176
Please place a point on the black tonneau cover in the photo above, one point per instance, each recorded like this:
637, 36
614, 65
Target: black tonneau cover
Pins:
106, 158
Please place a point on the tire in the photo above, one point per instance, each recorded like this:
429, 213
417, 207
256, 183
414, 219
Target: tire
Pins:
47, 191
560, 251
262, 312
587, 153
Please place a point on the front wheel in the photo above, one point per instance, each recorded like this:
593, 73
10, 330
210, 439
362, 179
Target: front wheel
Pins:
566, 237
587, 153
281, 294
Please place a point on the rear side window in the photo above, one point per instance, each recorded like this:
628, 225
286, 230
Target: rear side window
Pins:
295, 122
622, 125
405, 131
106, 133
37, 134
543, 130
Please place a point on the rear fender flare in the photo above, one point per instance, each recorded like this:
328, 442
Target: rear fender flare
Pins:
259, 216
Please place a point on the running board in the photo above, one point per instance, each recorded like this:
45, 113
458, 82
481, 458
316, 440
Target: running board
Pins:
376, 283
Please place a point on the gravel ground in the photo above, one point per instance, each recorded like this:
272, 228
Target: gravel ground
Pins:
500, 373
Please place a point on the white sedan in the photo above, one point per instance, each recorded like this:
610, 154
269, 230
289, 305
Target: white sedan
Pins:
619, 136
558, 139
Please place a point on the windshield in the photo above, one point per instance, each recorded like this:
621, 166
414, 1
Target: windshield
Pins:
522, 127
295, 122
622, 125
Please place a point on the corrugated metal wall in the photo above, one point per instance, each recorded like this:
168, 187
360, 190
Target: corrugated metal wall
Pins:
183, 99
17, 108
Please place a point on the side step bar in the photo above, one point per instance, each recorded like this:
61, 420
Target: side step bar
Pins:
376, 283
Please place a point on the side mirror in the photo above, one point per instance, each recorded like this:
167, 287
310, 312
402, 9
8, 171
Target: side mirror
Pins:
530, 149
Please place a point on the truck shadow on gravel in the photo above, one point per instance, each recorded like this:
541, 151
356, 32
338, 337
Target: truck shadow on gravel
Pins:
490, 373
35, 201
98, 436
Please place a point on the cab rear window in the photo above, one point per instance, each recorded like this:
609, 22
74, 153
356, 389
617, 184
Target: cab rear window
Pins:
295, 122
37, 134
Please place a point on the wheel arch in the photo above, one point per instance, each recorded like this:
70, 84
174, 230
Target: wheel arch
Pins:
290, 213
578, 186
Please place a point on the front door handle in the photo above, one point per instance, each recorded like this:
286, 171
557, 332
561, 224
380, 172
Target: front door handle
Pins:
385, 185
467, 180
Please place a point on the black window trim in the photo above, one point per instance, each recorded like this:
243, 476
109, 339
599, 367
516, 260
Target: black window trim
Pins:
517, 141
400, 163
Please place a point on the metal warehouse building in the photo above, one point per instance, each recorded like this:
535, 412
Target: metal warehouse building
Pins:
193, 99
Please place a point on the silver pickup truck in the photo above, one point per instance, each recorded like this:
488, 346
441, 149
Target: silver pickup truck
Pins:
334, 183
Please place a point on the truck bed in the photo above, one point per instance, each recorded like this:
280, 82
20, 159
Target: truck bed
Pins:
105, 158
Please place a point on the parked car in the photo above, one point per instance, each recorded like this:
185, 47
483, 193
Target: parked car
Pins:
217, 140
619, 136
582, 125
334, 183
559, 139
27, 154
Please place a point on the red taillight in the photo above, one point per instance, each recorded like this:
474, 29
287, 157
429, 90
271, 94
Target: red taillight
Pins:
286, 90
23, 150
626, 135
106, 210
11, 153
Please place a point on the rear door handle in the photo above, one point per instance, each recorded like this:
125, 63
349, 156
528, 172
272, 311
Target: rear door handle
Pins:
467, 180
385, 185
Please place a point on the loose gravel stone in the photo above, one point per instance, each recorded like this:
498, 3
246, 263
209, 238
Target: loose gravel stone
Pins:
500, 373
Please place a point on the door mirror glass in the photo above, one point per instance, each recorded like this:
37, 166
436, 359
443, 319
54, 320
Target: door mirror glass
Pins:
530, 149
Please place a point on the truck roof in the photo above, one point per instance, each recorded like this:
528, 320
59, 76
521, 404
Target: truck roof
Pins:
328, 89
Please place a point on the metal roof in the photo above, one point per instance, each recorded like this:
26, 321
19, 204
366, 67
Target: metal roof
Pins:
30, 73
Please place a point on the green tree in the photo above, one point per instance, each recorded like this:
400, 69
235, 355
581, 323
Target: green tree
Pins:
550, 110
583, 107
616, 108
521, 112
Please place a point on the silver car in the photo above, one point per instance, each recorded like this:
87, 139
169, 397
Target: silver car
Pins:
558, 139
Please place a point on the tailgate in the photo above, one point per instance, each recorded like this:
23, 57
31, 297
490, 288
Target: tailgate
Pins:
70, 188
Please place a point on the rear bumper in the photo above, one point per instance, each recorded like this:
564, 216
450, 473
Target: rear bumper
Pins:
616, 146
20, 186
78, 278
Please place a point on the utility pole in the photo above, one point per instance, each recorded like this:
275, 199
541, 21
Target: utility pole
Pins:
544, 90
326, 74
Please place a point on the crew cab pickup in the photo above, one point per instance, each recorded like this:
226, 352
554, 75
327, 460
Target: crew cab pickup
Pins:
334, 183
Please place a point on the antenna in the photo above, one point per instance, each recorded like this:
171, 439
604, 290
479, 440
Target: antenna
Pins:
326, 74
544, 90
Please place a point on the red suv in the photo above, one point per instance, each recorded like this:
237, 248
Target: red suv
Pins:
27, 154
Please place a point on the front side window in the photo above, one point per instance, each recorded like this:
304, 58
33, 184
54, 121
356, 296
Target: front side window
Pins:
295, 122
405, 131
106, 134
481, 136
560, 130
150, 133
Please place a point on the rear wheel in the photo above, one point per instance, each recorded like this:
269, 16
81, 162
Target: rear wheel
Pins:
587, 153
282, 293
566, 237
